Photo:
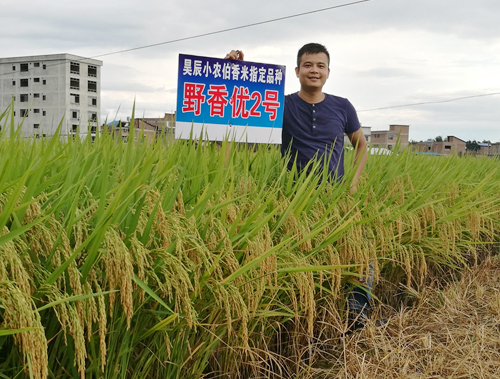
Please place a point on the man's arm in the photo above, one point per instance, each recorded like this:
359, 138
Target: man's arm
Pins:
360, 146
236, 55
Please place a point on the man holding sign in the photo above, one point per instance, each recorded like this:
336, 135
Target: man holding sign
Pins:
314, 124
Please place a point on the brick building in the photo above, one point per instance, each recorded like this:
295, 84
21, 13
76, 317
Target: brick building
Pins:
452, 145
388, 138
150, 127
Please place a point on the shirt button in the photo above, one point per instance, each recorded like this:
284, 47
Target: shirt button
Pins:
314, 126
314, 111
314, 119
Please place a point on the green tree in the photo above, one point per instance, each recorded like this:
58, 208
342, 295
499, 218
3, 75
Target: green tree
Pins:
472, 145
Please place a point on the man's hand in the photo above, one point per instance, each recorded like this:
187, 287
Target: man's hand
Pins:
236, 55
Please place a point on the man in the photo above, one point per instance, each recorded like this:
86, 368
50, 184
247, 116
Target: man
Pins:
314, 124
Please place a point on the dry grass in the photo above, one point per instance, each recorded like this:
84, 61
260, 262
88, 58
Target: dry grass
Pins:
449, 333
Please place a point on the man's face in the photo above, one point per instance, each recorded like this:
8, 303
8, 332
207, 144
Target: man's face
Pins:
313, 71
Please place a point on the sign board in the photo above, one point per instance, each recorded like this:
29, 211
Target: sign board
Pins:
222, 98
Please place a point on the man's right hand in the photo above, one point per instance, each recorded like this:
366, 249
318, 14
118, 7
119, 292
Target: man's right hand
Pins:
236, 55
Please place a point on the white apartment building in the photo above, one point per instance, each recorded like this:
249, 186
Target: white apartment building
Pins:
47, 90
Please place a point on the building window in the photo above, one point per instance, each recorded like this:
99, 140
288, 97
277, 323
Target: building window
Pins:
92, 101
93, 129
36, 64
36, 80
74, 68
92, 71
44, 97
447, 147
92, 86
74, 83
44, 113
93, 116
389, 147
75, 115
74, 128
44, 82
13, 82
24, 82
36, 95
44, 66
74, 98
36, 110
13, 68
390, 137
24, 67
36, 126
24, 98
24, 113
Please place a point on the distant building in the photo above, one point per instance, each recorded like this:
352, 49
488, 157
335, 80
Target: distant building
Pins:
388, 138
452, 145
52, 89
151, 128
489, 149
495, 149
366, 131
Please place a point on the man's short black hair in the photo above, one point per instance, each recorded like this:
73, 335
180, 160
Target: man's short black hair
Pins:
312, 48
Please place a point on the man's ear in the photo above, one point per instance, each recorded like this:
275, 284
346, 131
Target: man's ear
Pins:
297, 71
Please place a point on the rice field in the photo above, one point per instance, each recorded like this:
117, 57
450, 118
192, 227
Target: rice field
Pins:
190, 259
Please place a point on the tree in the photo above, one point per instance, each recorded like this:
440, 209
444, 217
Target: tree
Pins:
438, 139
472, 145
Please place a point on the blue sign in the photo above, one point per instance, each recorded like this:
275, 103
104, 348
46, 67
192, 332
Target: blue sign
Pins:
222, 98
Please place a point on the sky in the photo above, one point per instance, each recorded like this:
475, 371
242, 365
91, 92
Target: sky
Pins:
397, 61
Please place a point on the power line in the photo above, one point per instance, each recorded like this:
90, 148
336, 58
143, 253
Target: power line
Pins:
212, 33
268, 22
234, 28
430, 102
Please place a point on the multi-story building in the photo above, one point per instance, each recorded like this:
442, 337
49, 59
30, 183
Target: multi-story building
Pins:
388, 138
51, 90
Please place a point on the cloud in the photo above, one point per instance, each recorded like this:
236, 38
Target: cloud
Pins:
386, 72
384, 52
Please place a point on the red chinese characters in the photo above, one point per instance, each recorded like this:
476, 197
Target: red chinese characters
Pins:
218, 99
239, 99
193, 98
271, 103
243, 103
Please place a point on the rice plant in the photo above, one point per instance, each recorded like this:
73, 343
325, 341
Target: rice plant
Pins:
190, 259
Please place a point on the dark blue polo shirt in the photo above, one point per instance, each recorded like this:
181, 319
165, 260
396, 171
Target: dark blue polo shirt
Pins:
310, 129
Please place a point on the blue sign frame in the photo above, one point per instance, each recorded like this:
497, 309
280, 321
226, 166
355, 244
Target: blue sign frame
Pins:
222, 98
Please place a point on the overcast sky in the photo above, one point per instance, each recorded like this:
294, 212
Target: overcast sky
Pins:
384, 53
